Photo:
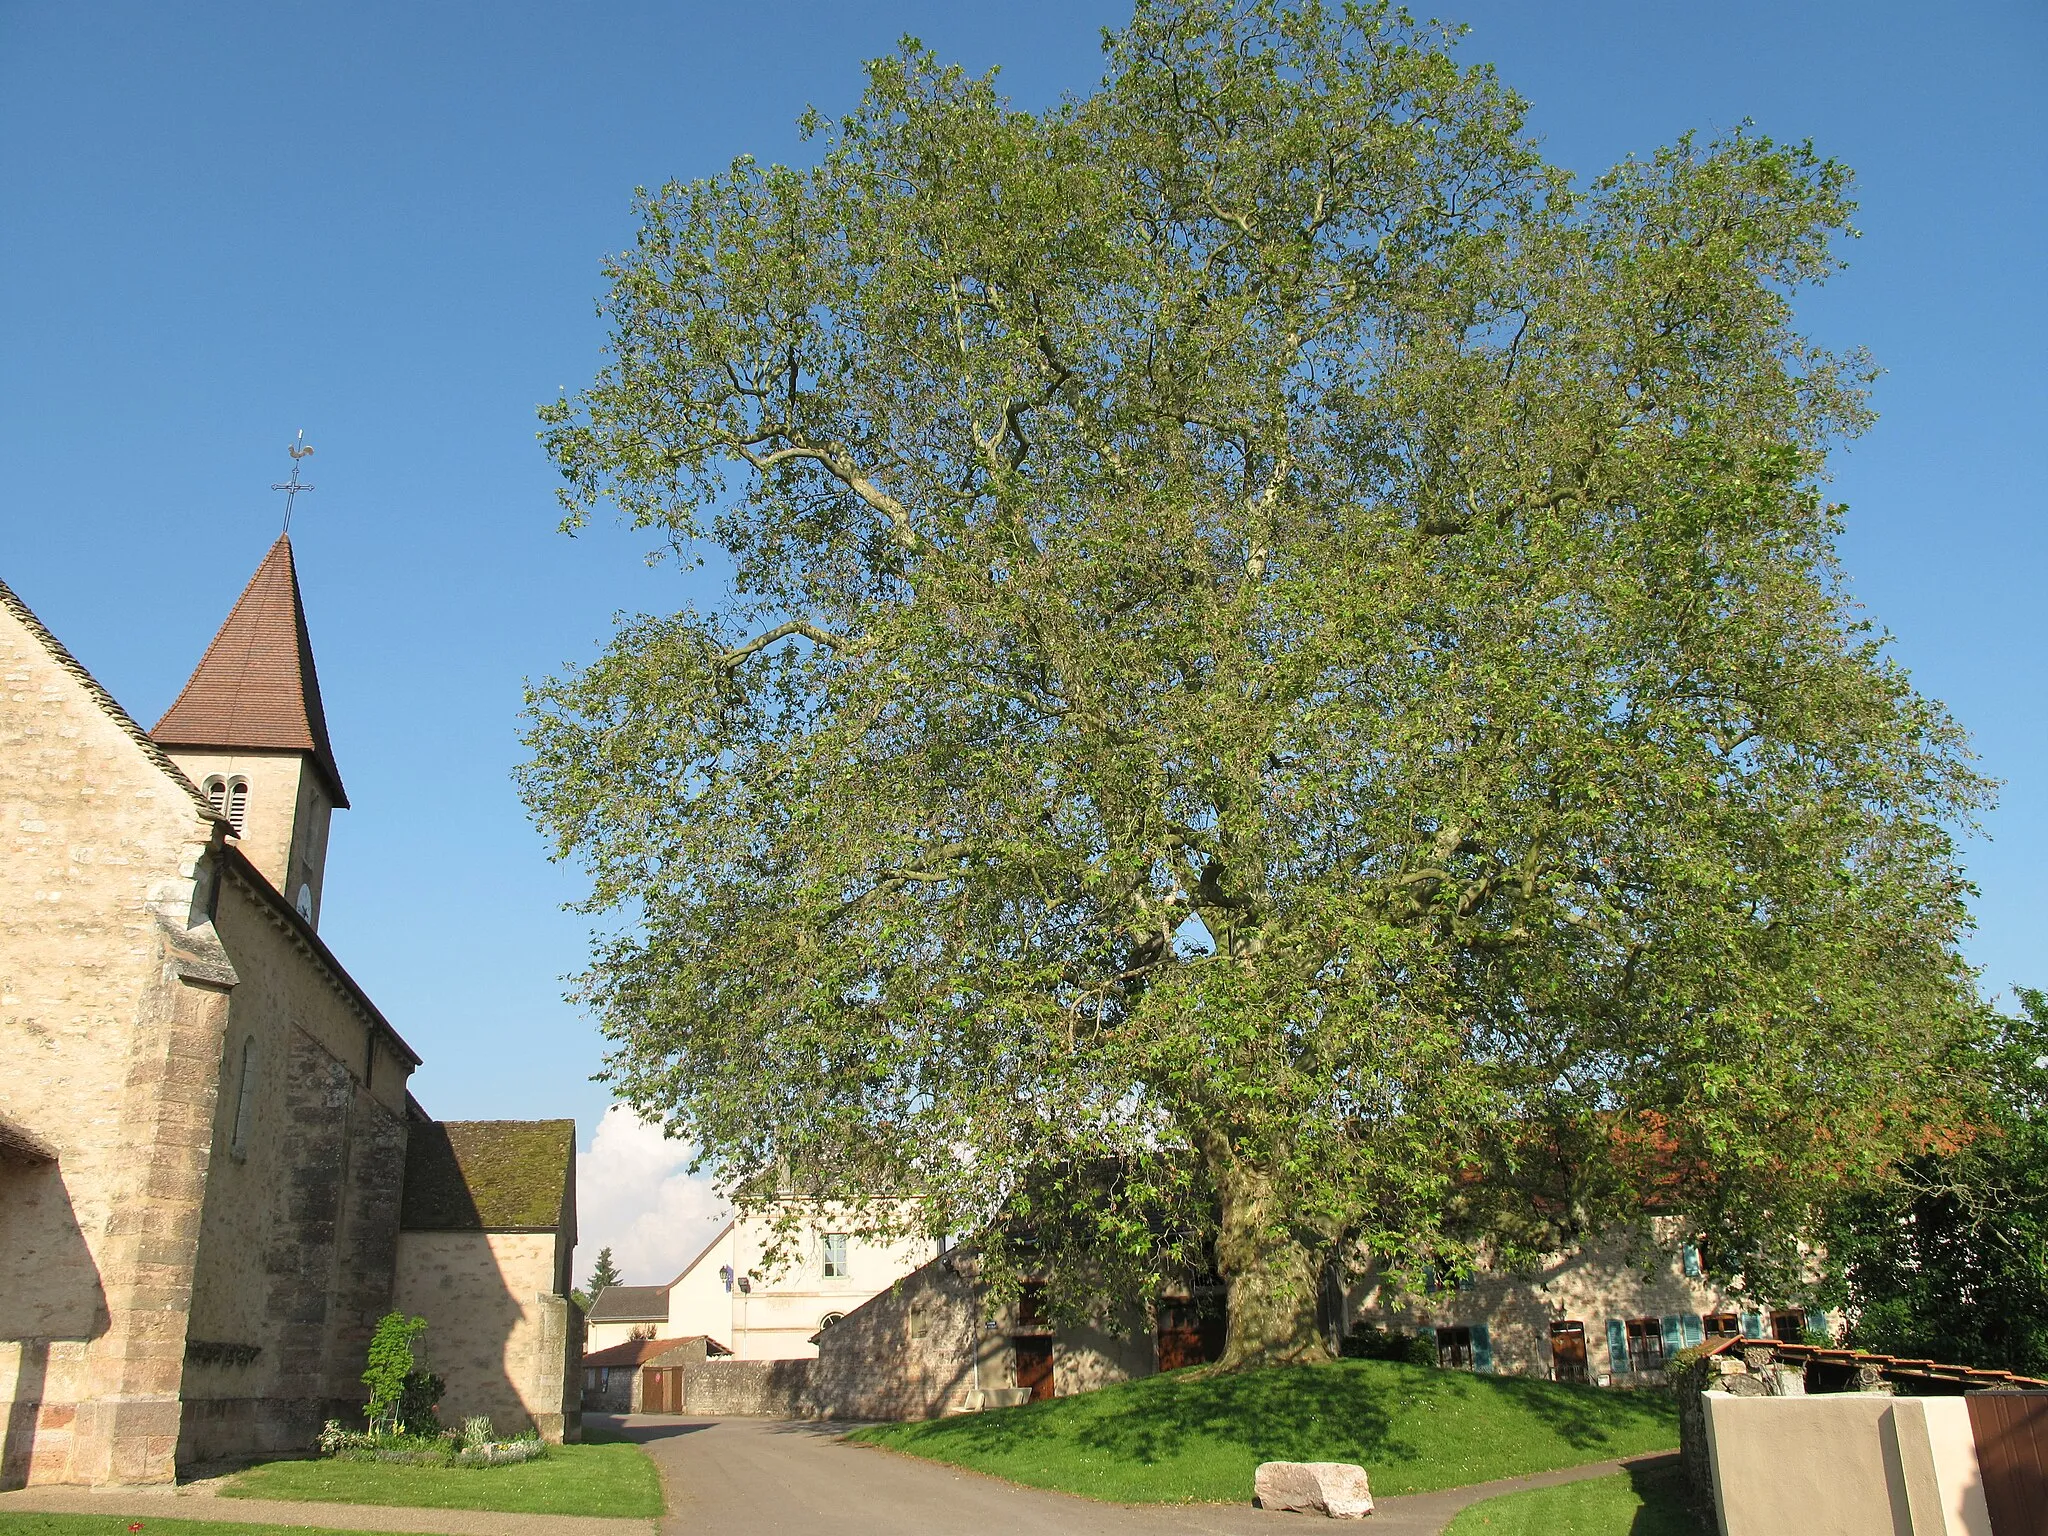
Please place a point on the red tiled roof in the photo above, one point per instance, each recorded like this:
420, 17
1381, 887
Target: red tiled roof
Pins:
640, 1351
256, 687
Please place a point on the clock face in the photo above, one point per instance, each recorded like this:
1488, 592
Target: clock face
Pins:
304, 902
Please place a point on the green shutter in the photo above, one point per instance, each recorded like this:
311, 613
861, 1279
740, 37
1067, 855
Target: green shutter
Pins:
1617, 1346
1817, 1322
1752, 1325
1692, 1261
1482, 1349
1673, 1339
1694, 1328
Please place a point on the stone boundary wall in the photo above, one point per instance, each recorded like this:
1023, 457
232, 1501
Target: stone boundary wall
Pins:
768, 1389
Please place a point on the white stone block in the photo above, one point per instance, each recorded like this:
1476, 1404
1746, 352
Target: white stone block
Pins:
1333, 1488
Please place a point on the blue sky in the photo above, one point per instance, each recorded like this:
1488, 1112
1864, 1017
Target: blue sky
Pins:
382, 223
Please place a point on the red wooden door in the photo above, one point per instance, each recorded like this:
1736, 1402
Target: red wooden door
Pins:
1034, 1366
2011, 1431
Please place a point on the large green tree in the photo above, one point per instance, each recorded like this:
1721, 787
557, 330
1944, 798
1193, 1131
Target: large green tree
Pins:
1947, 1259
1283, 690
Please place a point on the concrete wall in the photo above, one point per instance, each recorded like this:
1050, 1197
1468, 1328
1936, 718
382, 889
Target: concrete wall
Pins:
113, 999
1846, 1464
1598, 1282
507, 1343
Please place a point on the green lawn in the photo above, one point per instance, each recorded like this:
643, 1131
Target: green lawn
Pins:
117, 1525
612, 1477
1185, 1438
1646, 1502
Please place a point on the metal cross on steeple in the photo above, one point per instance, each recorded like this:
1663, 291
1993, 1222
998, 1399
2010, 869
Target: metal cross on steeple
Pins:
291, 488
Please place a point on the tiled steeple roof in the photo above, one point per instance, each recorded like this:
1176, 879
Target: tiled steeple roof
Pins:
255, 687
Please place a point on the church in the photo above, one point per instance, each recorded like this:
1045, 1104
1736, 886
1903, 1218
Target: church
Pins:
213, 1176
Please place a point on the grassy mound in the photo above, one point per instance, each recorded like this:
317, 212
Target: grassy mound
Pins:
1183, 1437
590, 1479
1640, 1502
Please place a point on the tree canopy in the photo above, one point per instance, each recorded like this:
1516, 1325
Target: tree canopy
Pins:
1948, 1259
1284, 687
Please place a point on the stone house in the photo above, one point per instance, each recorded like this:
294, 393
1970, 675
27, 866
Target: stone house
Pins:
486, 1233
760, 1303
204, 1119
939, 1342
643, 1375
1609, 1313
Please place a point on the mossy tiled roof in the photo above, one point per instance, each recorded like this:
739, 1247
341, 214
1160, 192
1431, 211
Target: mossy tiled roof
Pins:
487, 1175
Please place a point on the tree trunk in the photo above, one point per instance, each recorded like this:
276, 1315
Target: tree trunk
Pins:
1272, 1270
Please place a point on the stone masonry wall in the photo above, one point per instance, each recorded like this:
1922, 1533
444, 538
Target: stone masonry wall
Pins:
1601, 1281
112, 1001
300, 1230
496, 1330
775, 1389
925, 1348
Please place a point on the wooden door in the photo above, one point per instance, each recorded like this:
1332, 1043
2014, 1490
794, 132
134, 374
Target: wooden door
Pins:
1567, 1351
653, 1391
2011, 1431
1189, 1334
1034, 1365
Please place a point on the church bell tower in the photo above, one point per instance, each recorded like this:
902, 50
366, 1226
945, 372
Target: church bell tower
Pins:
249, 730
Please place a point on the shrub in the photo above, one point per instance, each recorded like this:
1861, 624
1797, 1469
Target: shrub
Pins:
1385, 1344
403, 1396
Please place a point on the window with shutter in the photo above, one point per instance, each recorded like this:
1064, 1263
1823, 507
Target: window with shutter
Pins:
1691, 1262
238, 803
1692, 1330
1617, 1346
1752, 1325
1482, 1349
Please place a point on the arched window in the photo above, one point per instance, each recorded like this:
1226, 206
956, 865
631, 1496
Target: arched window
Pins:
828, 1320
245, 1100
229, 798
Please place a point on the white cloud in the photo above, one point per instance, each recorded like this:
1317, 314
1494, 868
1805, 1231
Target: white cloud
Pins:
634, 1196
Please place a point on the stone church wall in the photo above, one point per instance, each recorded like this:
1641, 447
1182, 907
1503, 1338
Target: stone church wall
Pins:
300, 1227
498, 1330
112, 1001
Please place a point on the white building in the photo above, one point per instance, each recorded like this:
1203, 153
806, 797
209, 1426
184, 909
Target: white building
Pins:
761, 1310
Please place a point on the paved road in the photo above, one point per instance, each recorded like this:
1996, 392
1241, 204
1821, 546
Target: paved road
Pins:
762, 1477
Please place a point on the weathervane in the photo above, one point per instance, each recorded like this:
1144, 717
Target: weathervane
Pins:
291, 488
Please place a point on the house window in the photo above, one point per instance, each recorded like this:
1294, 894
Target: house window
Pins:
1568, 1351
1721, 1325
835, 1256
1788, 1327
1645, 1344
1454, 1348
245, 1100
1031, 1309
828, 1320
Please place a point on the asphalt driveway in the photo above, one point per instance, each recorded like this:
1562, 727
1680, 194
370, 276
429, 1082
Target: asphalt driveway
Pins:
770, 1477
